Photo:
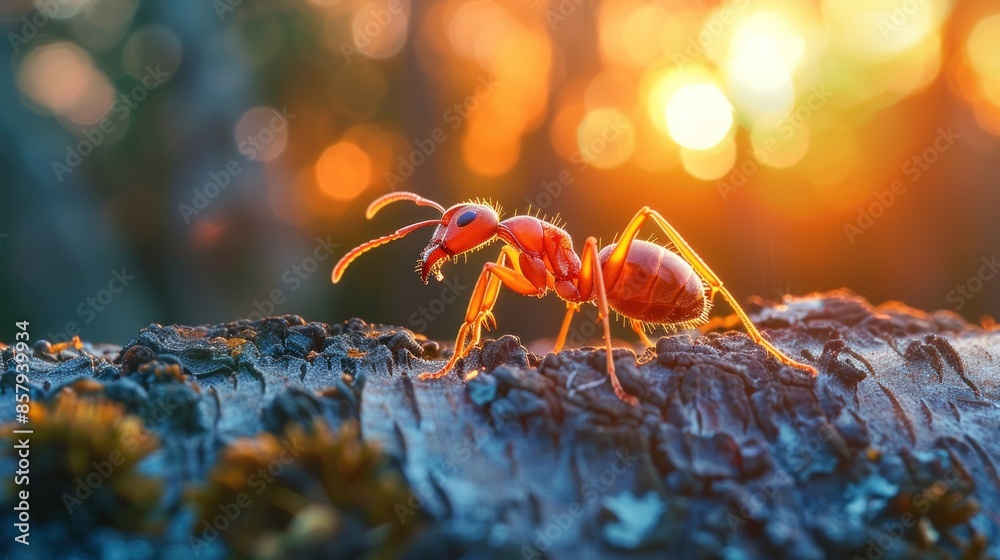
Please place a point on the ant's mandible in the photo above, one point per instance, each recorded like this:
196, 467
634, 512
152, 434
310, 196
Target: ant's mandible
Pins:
643, 281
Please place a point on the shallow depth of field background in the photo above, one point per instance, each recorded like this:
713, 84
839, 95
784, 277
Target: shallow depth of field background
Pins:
763, 130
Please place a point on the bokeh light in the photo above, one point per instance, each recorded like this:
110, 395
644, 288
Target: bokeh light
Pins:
764, 52
149, 46
606, 138
343, 171
699, 116
380, 27
62, 78
780, 144
778, 113
983, 45
261, 133
709, 164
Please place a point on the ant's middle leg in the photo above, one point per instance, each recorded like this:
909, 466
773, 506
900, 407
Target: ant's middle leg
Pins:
571, 309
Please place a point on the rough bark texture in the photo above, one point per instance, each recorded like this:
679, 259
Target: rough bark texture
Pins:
892, 452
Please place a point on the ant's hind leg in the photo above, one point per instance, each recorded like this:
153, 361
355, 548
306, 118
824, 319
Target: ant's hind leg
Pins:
616, 261
637, 327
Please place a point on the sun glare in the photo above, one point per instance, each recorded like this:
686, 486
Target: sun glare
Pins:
699, 116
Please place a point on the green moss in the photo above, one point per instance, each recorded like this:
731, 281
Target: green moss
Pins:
311, 492
84, 453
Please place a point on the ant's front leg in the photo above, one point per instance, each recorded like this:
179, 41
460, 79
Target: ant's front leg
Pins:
505, 271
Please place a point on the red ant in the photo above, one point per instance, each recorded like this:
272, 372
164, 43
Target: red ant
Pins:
643, 281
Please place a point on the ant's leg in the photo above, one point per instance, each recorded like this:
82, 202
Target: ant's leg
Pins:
508, 258
616, 262
648, 344
571, 309
716, 323
759, 338
480, 307
591, 274
74, 344
637, 327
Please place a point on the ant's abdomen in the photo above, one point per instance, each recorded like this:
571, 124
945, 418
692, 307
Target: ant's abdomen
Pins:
656, 286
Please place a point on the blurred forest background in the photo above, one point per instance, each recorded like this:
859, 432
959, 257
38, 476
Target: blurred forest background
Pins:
197, 161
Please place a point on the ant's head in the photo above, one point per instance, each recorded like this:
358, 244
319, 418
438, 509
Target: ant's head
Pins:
463, 228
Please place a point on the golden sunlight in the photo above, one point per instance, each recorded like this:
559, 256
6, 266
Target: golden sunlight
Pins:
699, 116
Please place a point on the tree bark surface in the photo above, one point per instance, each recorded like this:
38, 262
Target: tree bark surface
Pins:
891, 452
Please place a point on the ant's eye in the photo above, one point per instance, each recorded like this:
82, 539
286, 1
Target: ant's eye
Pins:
466, 218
